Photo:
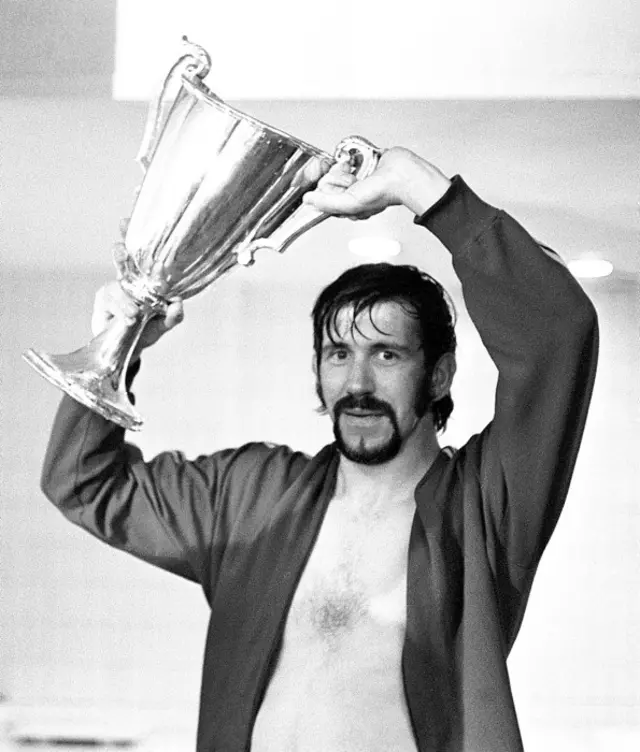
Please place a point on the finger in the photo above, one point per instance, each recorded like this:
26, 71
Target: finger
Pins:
120, 259
315, 169
113, 301
336, 181
102, 312
340, 168
122, 303
174, 314
333, 203
343, 163
124, 226
99, 321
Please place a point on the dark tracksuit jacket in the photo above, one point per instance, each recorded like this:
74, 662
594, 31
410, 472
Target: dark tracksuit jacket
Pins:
242, 522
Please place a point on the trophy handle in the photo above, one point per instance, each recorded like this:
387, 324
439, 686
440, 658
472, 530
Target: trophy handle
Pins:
363, 157
194, 64
361, 153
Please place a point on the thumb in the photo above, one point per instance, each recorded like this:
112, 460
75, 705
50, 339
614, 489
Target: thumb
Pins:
332, 203
360, 200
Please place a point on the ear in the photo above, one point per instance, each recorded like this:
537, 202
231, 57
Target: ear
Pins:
314, 365
442, 377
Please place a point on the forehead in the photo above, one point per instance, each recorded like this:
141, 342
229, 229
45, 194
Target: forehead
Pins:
387, 320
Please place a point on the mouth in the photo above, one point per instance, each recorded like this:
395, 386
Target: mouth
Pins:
355, 414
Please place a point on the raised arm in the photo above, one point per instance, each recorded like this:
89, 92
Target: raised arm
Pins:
172, 512
540, 329
160, 511
537, 324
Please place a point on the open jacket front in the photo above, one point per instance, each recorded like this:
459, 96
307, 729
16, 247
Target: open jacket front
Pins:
242, 522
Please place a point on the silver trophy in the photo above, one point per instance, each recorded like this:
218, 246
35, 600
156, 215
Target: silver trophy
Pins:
218, 185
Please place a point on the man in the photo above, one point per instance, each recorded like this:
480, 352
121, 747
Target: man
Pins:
367, 599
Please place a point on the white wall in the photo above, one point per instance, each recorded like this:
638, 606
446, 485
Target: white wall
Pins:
362, 49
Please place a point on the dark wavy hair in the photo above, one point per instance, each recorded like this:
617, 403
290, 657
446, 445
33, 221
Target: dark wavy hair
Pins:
422, 296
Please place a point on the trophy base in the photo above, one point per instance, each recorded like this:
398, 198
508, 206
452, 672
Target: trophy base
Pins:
96, 394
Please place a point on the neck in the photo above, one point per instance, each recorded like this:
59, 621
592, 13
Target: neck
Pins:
395, 478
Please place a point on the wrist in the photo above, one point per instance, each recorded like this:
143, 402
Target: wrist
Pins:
421, 184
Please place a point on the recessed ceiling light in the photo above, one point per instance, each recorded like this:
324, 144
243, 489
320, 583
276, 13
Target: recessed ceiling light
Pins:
590, 268
375, 247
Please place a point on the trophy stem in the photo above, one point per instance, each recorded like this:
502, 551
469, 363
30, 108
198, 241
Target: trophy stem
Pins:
94, 375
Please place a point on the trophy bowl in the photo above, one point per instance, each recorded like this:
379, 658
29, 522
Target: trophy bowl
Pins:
218, 185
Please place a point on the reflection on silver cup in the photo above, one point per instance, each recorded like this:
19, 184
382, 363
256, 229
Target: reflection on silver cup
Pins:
217, 186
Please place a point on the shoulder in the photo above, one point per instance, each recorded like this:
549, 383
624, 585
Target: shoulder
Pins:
247, 468
450, 482
263, 464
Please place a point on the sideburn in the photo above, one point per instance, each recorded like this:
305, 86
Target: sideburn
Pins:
322, 409
424, 402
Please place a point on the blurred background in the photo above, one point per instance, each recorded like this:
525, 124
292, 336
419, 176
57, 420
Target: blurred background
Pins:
536, 104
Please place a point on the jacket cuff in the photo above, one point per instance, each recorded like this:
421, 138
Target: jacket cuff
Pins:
458, 216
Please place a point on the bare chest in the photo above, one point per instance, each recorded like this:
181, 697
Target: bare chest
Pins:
338, 681
356, 576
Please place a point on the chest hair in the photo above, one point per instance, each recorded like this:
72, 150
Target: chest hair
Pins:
356, 571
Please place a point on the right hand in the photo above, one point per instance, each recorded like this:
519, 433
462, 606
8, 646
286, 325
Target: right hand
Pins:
111, 301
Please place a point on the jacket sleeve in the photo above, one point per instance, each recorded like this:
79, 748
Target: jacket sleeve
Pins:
540, 329
166, 511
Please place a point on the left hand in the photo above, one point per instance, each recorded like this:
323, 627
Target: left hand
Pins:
341, 194
400, 178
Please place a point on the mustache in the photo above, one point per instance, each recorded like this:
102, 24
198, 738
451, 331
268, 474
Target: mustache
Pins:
362, 402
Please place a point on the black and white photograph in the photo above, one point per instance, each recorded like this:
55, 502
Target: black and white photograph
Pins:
320, 376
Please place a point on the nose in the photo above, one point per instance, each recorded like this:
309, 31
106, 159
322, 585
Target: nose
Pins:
360, 378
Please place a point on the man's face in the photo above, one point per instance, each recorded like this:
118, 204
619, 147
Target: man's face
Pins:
370, 379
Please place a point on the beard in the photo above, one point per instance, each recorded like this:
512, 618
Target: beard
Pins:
360, 453
389, 449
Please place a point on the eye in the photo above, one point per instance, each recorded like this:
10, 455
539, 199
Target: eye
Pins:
337, 355
388, 356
